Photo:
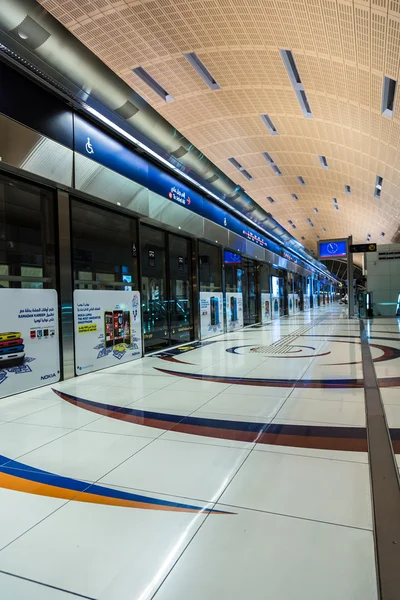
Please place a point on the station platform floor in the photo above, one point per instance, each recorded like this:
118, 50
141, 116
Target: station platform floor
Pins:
229, 469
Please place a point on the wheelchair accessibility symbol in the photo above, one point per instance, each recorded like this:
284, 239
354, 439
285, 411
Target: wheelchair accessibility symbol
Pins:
89, 147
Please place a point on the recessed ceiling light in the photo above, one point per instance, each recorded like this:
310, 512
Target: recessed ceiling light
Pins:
388, 95
118, 203
153, 84
378, 186
294, 76
202, 70
269, 124
323, 161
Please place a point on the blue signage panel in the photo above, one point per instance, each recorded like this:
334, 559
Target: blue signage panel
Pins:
332, 249
169, 187
102, 148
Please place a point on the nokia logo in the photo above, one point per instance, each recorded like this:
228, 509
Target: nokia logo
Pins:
43, 377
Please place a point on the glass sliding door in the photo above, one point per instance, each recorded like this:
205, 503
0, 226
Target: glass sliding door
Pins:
180, 290
155, 300
249, 292
103, 248
166, 289
27, 235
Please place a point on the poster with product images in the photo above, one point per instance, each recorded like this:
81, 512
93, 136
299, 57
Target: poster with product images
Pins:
108, 329
275, 296
29, 346
291, 303
265, 307
296, 303
211, 314
234, 311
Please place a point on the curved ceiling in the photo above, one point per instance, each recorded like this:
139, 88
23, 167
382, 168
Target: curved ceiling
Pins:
342, 49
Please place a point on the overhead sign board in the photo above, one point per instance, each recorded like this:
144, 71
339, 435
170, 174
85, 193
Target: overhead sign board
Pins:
362, 248
333, 249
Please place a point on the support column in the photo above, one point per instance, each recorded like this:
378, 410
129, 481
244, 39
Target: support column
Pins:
66, 285
350, 277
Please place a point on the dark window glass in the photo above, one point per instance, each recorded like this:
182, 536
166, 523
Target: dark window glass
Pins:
264, 278
104, 248
233, 272
27, 235
210, 268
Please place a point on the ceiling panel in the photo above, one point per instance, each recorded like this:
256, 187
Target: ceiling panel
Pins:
342, 48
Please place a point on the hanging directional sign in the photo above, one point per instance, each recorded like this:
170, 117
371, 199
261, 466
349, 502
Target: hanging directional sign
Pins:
362, 248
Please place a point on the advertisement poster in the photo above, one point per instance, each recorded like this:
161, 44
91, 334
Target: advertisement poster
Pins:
265, 307
275, 297
234, 311
291, 303
211, 314
296, 303
108, 329
29, 349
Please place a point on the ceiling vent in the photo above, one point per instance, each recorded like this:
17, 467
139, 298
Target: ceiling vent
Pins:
294, 76
272, 163
270, 200
347, 189
294, 196
301, 180
239, 167
323, 161
388, 96
269, 124
202, 70
152, 83
378, 186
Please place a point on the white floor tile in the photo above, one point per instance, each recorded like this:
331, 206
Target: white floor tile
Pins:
17, 438
390, 396
340, 395
361, 457
175, 436
110, 425
258, 390
101, 551
258, 555
15, 407
19, 512
19, 589
312, 488
171, 401
118, 396
85, 455
324, 411
188, 385
63, 415
196, 471
248, 406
